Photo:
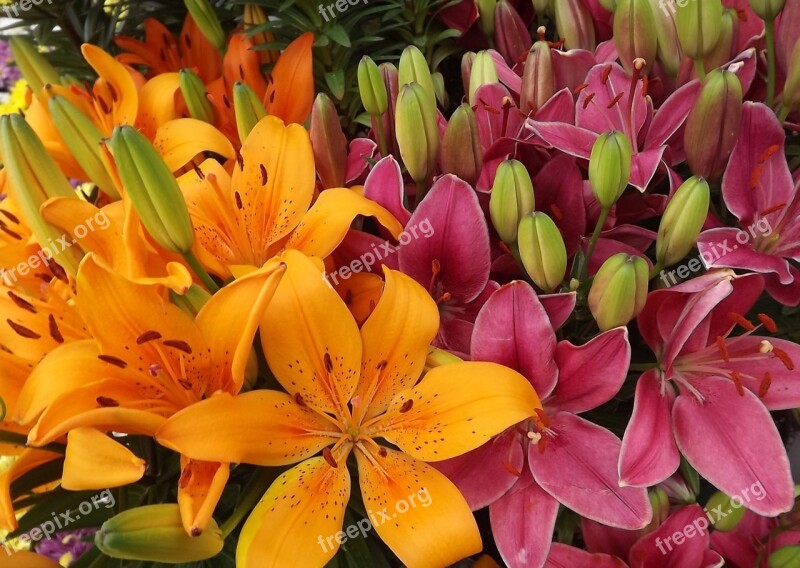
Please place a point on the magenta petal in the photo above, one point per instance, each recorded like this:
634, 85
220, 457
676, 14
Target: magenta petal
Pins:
559, 307
649, 454
505, 73
522, 524
591, 374
672, 114
579, 468
493, 123
607, 540
361, 151
644, 166
720, 248
513, 329
558, 188
786, 294
559, 108
732, 441
563, 556
571, 67
605, 111
573, 140
659, 549
459, 241
485, 474
385, 186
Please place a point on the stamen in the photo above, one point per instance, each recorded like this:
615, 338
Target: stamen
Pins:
111, 360
55, 333
185, 384
579, 88
264, 176
606, 74
741, 320
765, 347
147, 336
436, 267
511, 469
20, 302
645, 85
444, 298
179, 345
328, 362
763, 388
723, 349
383, 452
615, 100
768, 322
737, 380
106, 402
326, 453
557, 213
784, 358
23, 331
588, 100
773, 209
382, 365
238, 199
543, 419
154, 369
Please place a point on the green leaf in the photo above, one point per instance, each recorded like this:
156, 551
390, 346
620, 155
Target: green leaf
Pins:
70, 509
338, 34
336, 84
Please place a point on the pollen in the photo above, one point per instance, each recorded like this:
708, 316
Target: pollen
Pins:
106, 402
763, 388
741, 321
784, 358
765, 347
326, 453
723, 349
737, 381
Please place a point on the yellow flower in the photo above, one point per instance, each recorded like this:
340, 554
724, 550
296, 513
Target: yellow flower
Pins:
17, 98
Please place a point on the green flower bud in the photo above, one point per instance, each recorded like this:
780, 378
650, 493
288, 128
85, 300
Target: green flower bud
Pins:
610, 5
206, 19
328, 142
371, 87
682, 221
440, 90
785, 557
417, 131
733, 514
574, 23
542, 6
724, 50
34, 67
718, 110
466, 68
83, 139
511, 199
610, 167
153, 190
542, 250
195, 95
669, 51
154, 533
659, 501
767, 9
248, 109
414, 69
791, 90
619, 290
483, 72
635, 33
699, 26
538, 78
462, 153
192, 301
486, 10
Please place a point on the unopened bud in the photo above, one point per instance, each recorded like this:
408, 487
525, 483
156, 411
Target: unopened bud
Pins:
195, 95
767, 9
248, 109
462, 153
610, 167
575, 24
417, 131
619, 290
511, 199
731, 515
414, 69
328, 142
542, 250
635, 34
670, 53
724, 50
699, 26
371, 87
791, 89
682, 221
486, 11
483, 72
34, 67
511, 35
538, 78
206, 19
785, 557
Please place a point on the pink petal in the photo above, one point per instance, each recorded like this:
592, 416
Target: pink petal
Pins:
786, 294
358, 243
661, 548
558, 189
720, 248
571, 67
591, 488
459, 242
385, 186
607, 540
644, 166
573, 140
357, 163
563, 556
493, 122
672, 114
505, 73
732, 441
649, 454
559, 108
513, 329
522, 524
599, 114
486, 474
559, 307
590, 375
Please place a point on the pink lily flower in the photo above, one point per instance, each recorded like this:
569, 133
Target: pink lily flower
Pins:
759, 190
710, 394
524, 468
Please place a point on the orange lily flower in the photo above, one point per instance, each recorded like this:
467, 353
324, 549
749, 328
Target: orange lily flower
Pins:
146, 361
263, 208
346, 388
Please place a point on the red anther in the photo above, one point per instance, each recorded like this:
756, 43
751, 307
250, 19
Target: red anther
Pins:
436, 266
784, 358
326, 453
737, 380
511, 469
645, 85
768, 322
768, 153
579, 88
615, 100
587, 100
773, 209
446, 297
763, 388
542, 445
756, 175
606, 73
723, 349
741, 320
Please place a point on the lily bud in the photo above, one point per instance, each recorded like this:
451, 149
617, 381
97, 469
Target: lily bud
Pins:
542, 6
538, 78
682, 221
574, 23
438, 357
328, 142
723, 503
699, 26
542, 250
610, 5
153, 190
670, 53
511, 199
33, 178
610, 167
724, 50
254, 16
785, 557
206, 19
462, 154
154, 533
466, 68
441, 92
248, 109
483, 73
414, 69
511, 35
619, 290
767, 9
195, 95
192, 301
371, 87
718, 110
83, 139
659, 501
34, 67
635, 33
486, 11
417, 131
791, 89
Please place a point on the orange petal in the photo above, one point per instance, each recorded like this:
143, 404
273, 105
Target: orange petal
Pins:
243, 63
310, 340
28, 460
455, 409
261, 427
416, 510
199, 489
27, 559
297, 520
157, 103
361, 292
325, 225
396, 338
96, 461
115, 86
180, 140
290, 94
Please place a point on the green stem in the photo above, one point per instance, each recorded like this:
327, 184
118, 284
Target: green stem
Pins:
700, 69
22, 441
201, 273
601, 221
422, 189
381, 136
784, 113
770, 27
656, 270
251, 495
643, 366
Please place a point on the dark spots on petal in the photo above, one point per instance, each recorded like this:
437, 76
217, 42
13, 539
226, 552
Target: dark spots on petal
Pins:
407, 405
107, 402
